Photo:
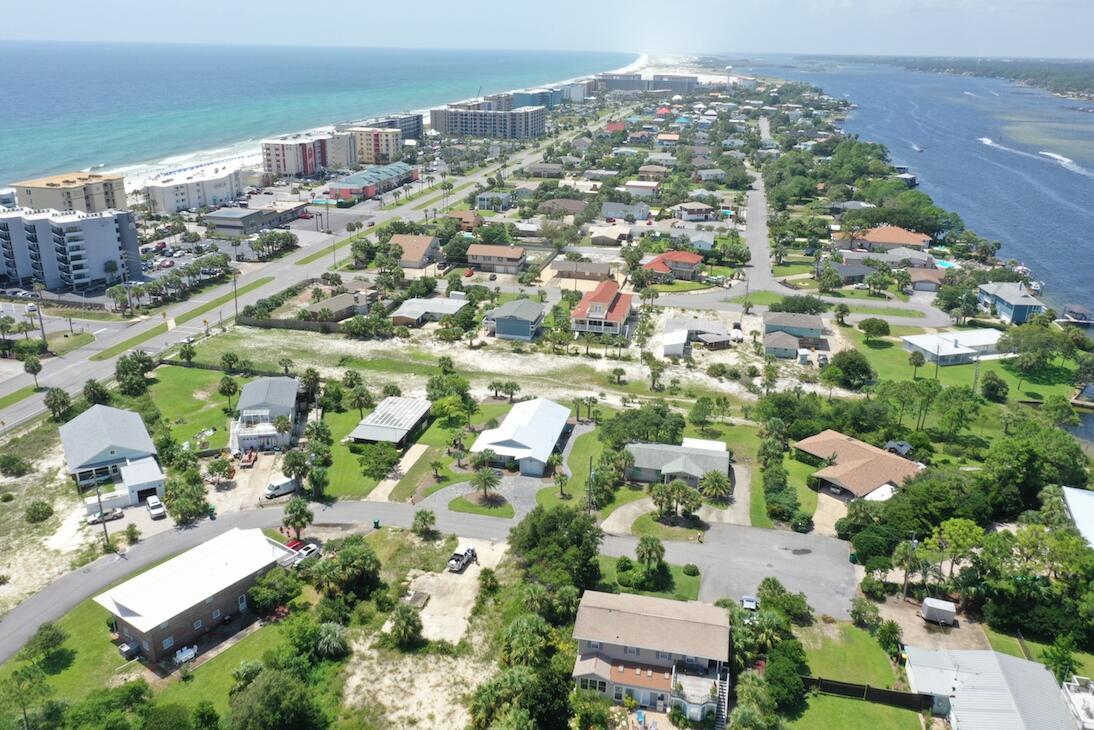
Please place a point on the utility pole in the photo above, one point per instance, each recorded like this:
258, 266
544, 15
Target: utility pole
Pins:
588, 485
235, 293
99, 497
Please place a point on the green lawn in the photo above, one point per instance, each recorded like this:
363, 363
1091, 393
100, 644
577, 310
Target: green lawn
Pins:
221, 300
889, 358
851, 655
453, 196
1007, 644
683, 588
346, 479
498, 507
798, 472
130, 344
791, 266
829, 712
586, 447
60, 343
767, 298
743, 441
98, 315
190, 403
647, 524
15, 396
678, 287
763, 298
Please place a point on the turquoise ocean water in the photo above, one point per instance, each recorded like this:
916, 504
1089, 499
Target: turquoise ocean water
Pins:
75, 106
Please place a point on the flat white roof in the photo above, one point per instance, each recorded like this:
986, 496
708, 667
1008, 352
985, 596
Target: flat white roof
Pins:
158, 595
141, 471
710, 445
1080, 503
957, 342
531, 430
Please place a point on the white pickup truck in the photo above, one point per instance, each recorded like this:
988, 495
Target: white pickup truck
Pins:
464, 556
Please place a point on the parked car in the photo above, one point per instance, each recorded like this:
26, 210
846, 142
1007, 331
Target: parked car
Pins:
750, 603
155, 508
106, 516
309, 550
32, 307
167, 263
280, 487
822, 360
464, 556
468, 273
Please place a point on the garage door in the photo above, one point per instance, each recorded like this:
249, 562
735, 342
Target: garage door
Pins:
144, 494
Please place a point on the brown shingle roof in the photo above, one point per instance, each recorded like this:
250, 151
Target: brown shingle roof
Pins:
414, 247
895, 235
657, 624
857, 466
516, 253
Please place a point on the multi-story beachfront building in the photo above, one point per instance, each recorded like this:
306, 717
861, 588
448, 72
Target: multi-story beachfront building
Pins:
410, 126
674, 82
376, 145
479, 118
68, 250
86, 192
204, 187
621, 82
301, 155
549, 98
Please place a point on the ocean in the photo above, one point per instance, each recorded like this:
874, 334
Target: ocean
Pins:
72, 106
1017, 164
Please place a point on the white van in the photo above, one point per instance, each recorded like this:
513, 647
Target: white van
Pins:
280, 486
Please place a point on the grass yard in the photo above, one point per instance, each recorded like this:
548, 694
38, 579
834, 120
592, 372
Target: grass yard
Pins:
60, 343
346, 479
647, 524
453, 195
221, 300
683, 588
890, 360
97, 315
829, 712
793, 265
798, 472
586, 447
846, 653
880, 311
16, 395
189, 402
763, 298
498, 507
1007, 644
743, 441
679, 287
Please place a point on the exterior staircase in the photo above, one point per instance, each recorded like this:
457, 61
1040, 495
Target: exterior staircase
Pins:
722, 714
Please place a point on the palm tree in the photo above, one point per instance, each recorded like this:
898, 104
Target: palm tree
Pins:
32, 366
486, 479
187, 353
716, 486
227, 388
768, 629
286, 364
916, 360
561, 480
7, 325
905, 558
360, 399
436, 465
282, 424
650, 551
297, 516
496, 386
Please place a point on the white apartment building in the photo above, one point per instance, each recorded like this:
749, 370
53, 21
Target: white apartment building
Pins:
376, 145
473, 120
305, 154
83, 191
68, 251
205, 187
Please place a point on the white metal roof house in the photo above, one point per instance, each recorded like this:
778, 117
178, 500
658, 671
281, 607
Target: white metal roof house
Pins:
393, 419
987, 690
100, 440
1080, 505
181, 600
528, 435
952, 348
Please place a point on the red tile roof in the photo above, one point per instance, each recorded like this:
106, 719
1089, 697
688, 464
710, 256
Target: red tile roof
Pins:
660, 263
607, 293
615, 126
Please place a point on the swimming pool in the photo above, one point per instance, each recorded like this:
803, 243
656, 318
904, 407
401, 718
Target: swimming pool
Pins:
943, 264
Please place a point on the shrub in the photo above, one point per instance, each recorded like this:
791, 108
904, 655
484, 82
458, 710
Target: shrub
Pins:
752, 371
865, 614
488, 581
733, 373
889, 635
802, 522
623, 564
132, 534
13, 466
625, 579
7, 497
691, 569
4, 578
872, 588
38, 511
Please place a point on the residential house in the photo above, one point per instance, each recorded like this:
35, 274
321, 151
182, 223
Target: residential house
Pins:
693, 211
855, 468
527, 437
519, 319
622, 211
599, 175
781, 345
667, 139
1080, 507
604, 310
954, 347
100, 441
496, 258
662, 158
544, 169
674, 343
926, 279
582, 144
652, 172
807, 326
418, 251
588, 270
853, 273
394, 420
689, 462
711, 174
340, 306
886, 238
562, 206
897, 258
675, 265
987, 690
1011, 301
612, 234
662, 653
468, 220
261, 403
181, 601
838, 209
416, 311
626, 152
642, 188
493, 200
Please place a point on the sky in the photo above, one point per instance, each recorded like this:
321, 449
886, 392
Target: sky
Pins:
1008, 28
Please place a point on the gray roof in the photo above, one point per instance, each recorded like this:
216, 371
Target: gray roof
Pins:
391, 420
262, 393
622, 210
708, 326
675, 459
893, 257
416, 308
525, 309
853, 269
792, 319
1011, 292
781, 340
989, 690
102, 434
588, 267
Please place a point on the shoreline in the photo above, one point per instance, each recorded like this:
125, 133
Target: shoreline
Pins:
248, 152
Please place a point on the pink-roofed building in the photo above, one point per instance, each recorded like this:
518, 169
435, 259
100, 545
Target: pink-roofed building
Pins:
604, 310
675, 265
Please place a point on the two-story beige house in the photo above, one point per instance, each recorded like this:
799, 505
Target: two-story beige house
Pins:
661, 652
495, 258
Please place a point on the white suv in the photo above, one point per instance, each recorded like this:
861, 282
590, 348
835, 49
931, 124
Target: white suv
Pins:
155, 508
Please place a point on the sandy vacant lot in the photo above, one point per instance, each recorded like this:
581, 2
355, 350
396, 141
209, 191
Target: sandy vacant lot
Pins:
452, 595
966, 634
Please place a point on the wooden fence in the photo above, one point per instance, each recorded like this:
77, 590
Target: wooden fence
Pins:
917, 701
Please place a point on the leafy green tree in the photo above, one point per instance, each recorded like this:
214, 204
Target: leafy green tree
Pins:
526, 641
378, 459
558, 546
276, 700
1056, 410
1060, 657
43, 644
25, 688
95, 392
873, 328
958, 407
318, 481
184, 497
994, 388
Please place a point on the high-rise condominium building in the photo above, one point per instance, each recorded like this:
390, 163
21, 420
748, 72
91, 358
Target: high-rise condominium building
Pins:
461, 121
301, 155
376, 145
86, 192
205, 187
